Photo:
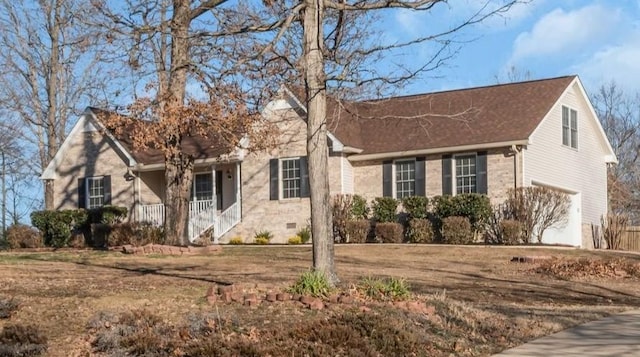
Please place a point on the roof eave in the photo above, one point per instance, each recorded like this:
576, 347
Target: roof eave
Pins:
440, 150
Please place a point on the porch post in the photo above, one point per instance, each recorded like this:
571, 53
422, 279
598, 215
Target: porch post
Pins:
214, 196
238, 195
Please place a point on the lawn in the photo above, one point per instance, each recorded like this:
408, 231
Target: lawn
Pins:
484, 303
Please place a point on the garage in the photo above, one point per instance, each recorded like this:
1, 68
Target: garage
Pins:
569, 233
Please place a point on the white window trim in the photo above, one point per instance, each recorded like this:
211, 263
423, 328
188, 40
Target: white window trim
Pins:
280, 181
193, 186
577, 127
87, 197
454, 187
394, 184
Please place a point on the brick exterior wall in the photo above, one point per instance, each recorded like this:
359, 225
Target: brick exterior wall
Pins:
91, 154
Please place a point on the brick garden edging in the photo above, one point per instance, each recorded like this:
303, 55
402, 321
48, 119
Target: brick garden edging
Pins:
530, 259
229, 294
167, 249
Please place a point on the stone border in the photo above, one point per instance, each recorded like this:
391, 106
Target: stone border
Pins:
531, 259
167, 249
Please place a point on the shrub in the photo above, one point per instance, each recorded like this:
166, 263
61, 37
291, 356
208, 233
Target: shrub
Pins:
341, 212
384, 289
295, 240
107, 214
389, 232
457, 230
304, 234
7, 307
236, 241
416, 207
359, 208
263, 235
476, 207
511, 232
420, 231
133, 233
384, 209
57, 226
22, 236
312, 283
537, 208
261, 240
613, 228
358, 230
22, 340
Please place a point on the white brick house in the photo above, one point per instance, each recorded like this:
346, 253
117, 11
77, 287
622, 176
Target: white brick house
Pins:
486, 140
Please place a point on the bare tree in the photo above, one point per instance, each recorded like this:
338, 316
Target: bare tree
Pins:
335, 54
48, 70
619, 114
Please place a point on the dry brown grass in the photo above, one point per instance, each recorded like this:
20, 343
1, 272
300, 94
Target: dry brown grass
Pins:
470, 286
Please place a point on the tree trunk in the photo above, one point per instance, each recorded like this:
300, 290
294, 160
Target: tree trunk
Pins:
317, 150
178, 176
48, 195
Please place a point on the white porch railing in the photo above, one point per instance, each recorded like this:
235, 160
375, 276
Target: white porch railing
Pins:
227, 220
202, 216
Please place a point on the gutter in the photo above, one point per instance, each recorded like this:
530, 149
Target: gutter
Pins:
440, 150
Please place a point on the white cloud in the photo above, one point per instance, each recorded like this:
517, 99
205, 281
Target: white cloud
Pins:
618, 63
564, 32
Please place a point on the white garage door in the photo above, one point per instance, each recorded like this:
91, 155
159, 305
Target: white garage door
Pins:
571, 232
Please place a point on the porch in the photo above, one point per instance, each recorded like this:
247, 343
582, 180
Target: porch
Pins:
215, 205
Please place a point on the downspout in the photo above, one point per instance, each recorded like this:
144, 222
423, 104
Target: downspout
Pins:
515, 150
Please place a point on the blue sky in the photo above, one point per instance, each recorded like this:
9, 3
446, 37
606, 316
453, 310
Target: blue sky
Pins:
598, 40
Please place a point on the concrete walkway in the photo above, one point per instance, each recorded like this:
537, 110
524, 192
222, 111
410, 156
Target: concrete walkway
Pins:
617, 335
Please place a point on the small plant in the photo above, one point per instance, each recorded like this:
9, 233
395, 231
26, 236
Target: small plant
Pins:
304, 234
384, 209
384, 289
263, 235
22, 340
236, 241
511, 232
456, 230
7, 307
613, 228
22, 236
420, 231
261, 240
389, 232
295, 240
312, 283
358, 230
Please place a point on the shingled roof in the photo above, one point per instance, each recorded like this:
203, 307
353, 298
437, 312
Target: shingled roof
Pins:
473, 116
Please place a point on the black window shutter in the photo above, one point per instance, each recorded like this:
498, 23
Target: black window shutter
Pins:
273, 179
82, 193
447, 183
304, 177
420, 177
481, 172
387, 181
106, 182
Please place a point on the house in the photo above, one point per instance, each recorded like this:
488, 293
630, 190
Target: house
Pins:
486, 140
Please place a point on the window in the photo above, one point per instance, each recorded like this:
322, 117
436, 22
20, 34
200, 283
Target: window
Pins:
569, 127
291, 178
202, 187
95, 192
465, 179
405, 178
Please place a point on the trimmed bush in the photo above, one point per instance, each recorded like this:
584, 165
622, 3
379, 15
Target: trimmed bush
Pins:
56, 226
133, 233
359, 208
420, 231
384, 209
261, 240
107, 214
295, 240
416, 207
511, 232
22, 236
456, 230
358, 230
389, 232
476, 207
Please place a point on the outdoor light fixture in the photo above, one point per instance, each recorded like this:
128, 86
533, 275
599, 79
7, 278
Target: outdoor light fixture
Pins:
229, 176
129, 176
